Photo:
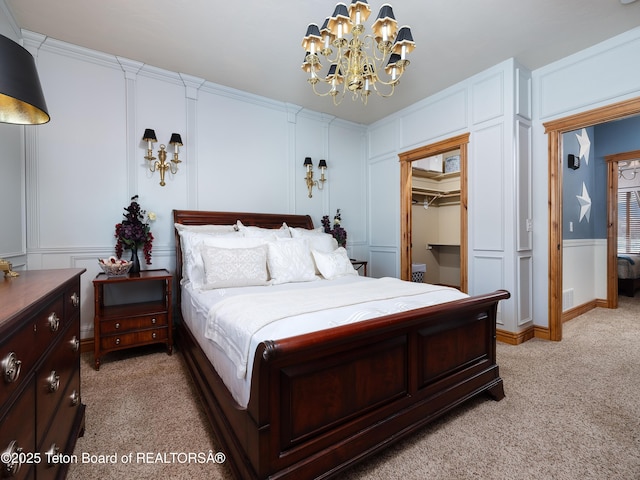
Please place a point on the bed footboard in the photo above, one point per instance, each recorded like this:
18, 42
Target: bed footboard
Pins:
324, 401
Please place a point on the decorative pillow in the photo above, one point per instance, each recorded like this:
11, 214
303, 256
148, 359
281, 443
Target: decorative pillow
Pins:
234, 267
290, 260
333, 264
249, 231
193, 265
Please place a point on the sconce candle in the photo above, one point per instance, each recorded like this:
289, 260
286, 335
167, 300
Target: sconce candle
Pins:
162, 165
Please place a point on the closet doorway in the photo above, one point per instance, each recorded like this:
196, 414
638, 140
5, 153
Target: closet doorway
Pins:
446, 148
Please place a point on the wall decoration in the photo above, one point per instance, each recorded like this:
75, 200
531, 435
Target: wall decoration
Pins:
585, 203
585, 145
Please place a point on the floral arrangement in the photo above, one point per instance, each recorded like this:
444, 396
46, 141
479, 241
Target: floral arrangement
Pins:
134, 231
339, 233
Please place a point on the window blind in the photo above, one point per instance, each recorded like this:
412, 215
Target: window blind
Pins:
629, 221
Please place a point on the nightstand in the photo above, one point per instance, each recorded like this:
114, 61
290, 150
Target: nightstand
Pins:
132, 311
358, 264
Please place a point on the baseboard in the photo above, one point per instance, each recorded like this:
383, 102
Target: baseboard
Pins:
514, 338
579, 310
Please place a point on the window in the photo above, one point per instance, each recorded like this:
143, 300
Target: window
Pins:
629, 221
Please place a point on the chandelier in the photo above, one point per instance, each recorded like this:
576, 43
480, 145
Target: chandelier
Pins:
362, 63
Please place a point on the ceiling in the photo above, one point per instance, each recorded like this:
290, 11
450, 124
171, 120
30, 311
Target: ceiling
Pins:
255, 45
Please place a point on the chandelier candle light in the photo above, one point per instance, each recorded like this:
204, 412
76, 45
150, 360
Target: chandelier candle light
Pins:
358, 61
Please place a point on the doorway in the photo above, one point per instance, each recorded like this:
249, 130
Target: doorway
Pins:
459, 143
554, 130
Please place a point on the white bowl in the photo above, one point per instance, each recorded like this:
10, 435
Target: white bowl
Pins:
115, 267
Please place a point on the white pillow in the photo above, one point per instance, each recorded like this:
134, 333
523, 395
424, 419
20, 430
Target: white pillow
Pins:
290, 260
318, 239
193, 265
234, 267
250, 231
205, 228
333, 264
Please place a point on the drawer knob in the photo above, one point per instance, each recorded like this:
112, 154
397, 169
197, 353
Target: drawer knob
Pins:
154, 335
53, 381
153, 321
75, 398
11, 367
10, 460
117, 341
117, 326
75, 344
54, 322
75, 299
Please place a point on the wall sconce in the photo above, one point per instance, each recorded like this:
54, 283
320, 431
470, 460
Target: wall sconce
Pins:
322, 165
161, 164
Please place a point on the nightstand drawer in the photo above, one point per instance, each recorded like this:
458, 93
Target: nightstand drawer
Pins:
141, 337
129, 324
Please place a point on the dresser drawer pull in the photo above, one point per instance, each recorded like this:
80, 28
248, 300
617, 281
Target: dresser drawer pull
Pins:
153, 321
53, 450
75, 299
54, 322
75, 344
154, 335
53, 381
75, 398
117, 326
11, 367
10, 460
117, 341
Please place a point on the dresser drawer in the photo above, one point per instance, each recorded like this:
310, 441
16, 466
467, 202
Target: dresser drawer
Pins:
18, 355
17, 430
72, 300
53, 377
56, 439
136, 323
142, 337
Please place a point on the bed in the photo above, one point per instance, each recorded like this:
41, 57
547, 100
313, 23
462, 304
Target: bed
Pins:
318, 402
628, 274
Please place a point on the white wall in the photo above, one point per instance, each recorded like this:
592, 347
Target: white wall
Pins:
12, 193
604, 74
492, 106
241, 153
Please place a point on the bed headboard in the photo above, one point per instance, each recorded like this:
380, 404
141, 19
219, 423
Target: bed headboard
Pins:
265, 220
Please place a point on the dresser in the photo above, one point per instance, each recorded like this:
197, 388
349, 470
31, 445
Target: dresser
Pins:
41, 412
141, 319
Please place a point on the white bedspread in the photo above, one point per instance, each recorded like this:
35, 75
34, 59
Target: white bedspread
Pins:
233, 321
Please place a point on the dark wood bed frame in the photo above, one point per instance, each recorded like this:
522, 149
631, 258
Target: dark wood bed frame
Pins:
321, 402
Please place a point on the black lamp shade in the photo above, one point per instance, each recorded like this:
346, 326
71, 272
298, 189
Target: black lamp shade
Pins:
149, 135
322, 164
176, 139
307, 161
21, 98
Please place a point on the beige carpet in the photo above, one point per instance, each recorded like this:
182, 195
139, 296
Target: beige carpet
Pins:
572, 411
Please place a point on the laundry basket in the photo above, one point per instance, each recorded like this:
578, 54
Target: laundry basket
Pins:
417, 272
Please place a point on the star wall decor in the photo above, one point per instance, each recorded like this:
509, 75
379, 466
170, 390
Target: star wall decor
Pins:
585, 203
585, 145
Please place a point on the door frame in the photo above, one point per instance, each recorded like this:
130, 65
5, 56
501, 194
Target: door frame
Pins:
458, 142
554, 130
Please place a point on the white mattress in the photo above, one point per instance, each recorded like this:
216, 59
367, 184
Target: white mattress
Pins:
196, 305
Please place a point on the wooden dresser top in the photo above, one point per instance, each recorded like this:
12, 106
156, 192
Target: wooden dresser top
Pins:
18, 294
